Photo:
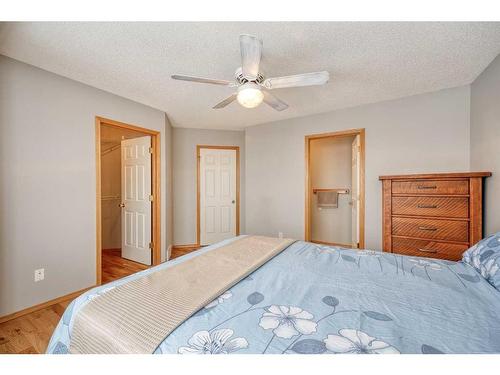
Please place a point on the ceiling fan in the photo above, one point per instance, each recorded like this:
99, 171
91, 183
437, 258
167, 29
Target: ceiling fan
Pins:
252, 86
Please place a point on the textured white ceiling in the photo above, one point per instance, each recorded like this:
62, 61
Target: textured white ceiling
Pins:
368, 62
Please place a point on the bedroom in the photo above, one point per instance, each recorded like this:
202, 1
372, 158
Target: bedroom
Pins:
325, 213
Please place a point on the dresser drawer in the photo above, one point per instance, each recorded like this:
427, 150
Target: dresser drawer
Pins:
426, 248
431, 206
444, 187
447, 230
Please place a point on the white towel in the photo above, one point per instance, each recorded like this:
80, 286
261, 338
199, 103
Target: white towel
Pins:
328, 199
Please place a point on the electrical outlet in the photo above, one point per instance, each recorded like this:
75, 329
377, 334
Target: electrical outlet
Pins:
280, 234
39, 274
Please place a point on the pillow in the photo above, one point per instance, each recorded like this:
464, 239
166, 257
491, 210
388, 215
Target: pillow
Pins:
485, 258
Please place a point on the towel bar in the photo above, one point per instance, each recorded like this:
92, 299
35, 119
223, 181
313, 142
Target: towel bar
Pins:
339, 191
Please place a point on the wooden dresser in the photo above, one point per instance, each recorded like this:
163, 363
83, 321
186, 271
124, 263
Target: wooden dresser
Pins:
432, 215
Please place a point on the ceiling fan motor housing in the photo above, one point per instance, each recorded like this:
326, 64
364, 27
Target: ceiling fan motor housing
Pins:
241, 79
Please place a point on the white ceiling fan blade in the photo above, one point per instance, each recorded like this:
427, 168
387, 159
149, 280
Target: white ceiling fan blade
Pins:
307, 79
202, 80
274, 102
251, 51
225, 102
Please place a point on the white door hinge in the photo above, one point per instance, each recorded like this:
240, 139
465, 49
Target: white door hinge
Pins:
151, 198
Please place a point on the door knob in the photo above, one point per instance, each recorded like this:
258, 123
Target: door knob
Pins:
122, 205
233, 201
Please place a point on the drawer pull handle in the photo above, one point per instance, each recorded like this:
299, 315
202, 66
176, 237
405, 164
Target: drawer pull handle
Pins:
428, 228
422, 187
428, 251
427, 206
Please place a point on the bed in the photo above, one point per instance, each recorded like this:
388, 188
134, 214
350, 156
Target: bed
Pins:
316, 299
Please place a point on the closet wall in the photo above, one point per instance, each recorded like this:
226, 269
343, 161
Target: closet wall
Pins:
110, 195
330, 168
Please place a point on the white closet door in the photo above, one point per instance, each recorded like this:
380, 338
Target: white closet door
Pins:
136, 204
356, 171
217, 195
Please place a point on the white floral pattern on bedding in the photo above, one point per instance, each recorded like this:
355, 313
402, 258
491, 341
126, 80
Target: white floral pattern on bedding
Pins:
353, 341
215, 342
287, 321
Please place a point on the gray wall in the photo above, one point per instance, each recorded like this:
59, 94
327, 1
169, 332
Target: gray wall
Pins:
184, 176
423, 133
111, 183
485, 139
48, 182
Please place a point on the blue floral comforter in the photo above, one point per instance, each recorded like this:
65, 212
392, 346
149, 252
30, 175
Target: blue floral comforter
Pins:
321, 299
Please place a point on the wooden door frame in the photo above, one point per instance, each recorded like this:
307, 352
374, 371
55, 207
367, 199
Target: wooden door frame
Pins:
338, 134
198, 149
156, 189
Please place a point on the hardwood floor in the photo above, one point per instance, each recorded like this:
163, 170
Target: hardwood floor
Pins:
115, 267
30, 334
182, 250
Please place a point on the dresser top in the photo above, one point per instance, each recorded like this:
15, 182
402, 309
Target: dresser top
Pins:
435, 175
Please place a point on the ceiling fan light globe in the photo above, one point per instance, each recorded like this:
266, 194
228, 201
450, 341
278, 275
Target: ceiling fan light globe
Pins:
250, 96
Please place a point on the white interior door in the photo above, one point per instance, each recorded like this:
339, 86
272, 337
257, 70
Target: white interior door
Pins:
356, 170
136, 203
217, 195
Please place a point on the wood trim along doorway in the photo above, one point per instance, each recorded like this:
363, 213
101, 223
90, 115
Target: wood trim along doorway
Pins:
237, 149
156, 189
343, 133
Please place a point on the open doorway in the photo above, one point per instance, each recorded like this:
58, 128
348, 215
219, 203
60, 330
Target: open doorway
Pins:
128, 192
335, 188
